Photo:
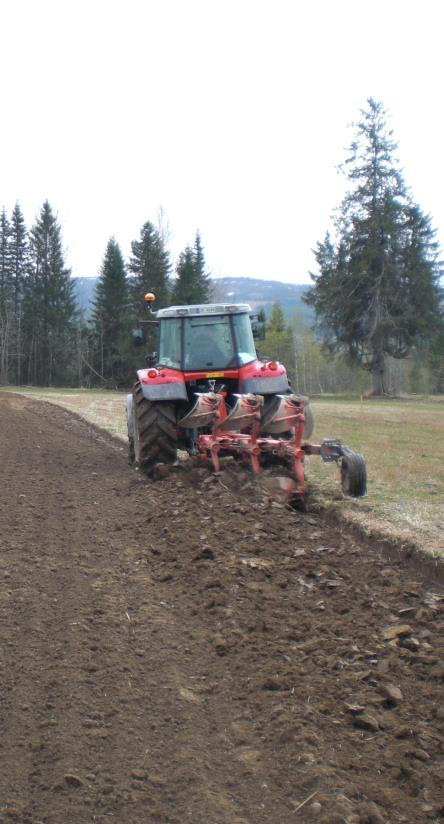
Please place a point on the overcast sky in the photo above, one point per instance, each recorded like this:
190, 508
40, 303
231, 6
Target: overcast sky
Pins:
231, 116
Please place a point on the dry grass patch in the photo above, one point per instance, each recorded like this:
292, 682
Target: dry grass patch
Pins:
103, 408
403, 445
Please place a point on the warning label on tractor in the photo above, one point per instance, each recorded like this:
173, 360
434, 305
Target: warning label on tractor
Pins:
215, 374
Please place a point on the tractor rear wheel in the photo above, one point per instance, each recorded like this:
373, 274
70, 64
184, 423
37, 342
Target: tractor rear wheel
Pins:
353, 474
155, 431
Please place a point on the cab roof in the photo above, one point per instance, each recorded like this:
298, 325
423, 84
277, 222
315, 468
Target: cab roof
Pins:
204, 309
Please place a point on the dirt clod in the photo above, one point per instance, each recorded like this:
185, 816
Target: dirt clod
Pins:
398, 631
366, 722
73, 780
391, 693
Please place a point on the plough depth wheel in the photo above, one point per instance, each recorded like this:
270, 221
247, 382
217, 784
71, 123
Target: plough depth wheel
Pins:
353, 474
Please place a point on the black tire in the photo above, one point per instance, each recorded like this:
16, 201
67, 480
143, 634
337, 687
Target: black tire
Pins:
155, 431
353, 475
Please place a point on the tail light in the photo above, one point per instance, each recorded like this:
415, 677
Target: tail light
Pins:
272, 365
152, 373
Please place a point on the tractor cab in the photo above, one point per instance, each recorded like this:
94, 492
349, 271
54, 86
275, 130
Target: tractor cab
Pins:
205, 337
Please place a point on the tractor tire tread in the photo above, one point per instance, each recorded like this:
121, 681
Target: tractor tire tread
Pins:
353, 475
157, 431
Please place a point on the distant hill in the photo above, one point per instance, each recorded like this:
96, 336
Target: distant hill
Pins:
254, 291
263, 293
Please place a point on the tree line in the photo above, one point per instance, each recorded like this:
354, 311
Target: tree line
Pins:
377, 292
37, 306
45, 340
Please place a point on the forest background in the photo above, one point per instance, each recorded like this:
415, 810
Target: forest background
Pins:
375, 306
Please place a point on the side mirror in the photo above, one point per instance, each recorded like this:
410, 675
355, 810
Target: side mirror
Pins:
138, 338
258, 329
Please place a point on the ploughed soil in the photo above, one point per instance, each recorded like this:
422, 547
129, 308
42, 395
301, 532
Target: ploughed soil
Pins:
190, 650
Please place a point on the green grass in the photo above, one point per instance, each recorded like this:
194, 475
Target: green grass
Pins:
403, 444
402, 441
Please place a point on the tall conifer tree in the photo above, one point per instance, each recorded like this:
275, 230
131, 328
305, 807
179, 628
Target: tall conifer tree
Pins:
5, 269
110, 320
49, 305
18, 256
5, 302
19, 264
192, 283
376, 290
149, 266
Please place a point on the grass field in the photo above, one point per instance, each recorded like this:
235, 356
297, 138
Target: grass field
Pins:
403, 445
402, 442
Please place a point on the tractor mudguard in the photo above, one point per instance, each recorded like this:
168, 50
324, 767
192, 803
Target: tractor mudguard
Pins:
164, 391
265, 386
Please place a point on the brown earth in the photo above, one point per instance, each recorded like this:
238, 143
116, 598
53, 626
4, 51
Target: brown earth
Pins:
187, 650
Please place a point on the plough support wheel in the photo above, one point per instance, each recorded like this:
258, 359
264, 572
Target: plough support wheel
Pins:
353, 474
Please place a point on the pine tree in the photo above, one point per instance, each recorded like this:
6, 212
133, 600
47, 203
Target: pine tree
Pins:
192, 283
5, 298
278, 339
18, 256
110, 320
19, 263
202, 276
49, 305
5, 269
276, 322
184, 287
376, 290
149, 266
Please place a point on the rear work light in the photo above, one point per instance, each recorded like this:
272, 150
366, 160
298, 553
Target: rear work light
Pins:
152, 373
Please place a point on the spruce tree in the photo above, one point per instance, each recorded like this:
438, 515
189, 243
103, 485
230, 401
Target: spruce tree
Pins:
278, 339
18, 256
261, 316
49, 305
149, 266
276, 322
192, 283
202, 276
5, 269
184, 286
19, 263
5, 302
110, 320
376, 289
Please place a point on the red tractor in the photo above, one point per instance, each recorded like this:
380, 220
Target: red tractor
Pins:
206, 391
